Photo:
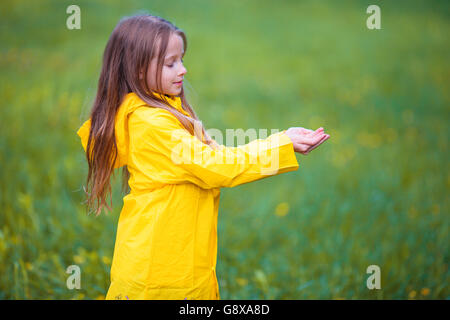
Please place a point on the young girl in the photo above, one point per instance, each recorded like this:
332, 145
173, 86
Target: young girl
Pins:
166, 242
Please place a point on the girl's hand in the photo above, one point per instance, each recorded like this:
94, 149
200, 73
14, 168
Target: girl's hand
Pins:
305, 140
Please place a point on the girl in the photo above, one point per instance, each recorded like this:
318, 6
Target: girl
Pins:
166, 242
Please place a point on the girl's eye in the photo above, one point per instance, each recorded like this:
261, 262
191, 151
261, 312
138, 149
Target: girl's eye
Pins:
171, 65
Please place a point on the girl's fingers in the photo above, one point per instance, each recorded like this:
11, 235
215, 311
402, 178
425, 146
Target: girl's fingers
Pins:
318, 144
314, 133
309, 132
313, 139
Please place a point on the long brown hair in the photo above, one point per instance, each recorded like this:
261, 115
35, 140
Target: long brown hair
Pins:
132, 45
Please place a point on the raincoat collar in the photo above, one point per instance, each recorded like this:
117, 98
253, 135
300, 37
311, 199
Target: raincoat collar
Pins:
174, 101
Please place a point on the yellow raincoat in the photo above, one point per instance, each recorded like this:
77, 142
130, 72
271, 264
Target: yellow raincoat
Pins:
166, 242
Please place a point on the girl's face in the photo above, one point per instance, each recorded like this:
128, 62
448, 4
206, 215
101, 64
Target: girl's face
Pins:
173, 69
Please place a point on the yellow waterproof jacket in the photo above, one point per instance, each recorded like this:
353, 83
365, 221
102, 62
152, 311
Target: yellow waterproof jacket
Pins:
166, 242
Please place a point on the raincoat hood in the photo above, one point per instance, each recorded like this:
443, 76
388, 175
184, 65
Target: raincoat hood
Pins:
129, 104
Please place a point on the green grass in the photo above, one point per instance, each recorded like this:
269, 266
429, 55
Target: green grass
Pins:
375, 193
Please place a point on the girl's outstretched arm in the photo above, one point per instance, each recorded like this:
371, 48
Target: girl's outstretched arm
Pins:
159, 143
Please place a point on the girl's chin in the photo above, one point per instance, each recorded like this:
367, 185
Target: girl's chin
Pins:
173, 94
176, 92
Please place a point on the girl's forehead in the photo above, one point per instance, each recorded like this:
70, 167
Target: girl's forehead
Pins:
175, 45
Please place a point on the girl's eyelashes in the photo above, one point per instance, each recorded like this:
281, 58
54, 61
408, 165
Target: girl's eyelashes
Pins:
171, 65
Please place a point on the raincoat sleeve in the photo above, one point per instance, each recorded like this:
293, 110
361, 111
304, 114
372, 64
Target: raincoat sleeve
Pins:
159, 140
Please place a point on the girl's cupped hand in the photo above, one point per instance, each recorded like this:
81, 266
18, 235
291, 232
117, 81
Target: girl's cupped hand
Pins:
305, 140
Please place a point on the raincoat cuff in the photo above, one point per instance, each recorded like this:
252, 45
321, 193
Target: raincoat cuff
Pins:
287, 161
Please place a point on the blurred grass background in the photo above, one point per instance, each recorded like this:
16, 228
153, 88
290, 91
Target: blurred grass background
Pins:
375, 193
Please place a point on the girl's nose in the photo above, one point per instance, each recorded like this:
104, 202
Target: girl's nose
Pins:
183, 70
